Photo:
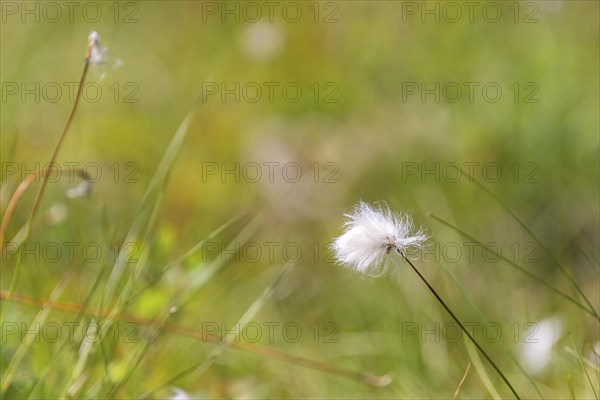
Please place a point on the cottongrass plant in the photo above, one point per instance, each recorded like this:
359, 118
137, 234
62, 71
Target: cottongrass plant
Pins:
373, 233
373, 236
93, 55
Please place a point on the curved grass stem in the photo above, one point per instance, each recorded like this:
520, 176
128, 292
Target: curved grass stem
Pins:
40, 193
261, 350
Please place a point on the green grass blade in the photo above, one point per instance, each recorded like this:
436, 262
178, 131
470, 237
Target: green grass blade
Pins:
562, 269
184, 257
517, 266
485, 320
485, 378
140, 220
26, 344
254, 309
583, 367
53, 363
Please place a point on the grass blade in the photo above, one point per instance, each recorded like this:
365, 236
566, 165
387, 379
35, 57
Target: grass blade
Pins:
562, 269
583, 367
516, 266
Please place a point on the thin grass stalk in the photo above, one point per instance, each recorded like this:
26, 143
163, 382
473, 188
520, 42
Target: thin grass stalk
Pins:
481, 371
51, 364
266, 351
160, 175
254, 308
517, 266
583, 367
14, 200
455, 318
485, 320
462, 381
42, 188
184, 257
562, 269
25, 344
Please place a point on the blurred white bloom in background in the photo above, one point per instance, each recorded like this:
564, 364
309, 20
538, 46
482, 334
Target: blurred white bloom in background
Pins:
371, 233
531, 11
262, 40
179, 394
81, 190
537, 348
57, 213
594, 353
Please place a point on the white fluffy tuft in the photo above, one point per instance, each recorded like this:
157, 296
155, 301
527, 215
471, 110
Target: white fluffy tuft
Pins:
370, 234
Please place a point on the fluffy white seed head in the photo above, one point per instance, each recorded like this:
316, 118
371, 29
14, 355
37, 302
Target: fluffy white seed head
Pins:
370, 234
96, 53
94, 38
99, 57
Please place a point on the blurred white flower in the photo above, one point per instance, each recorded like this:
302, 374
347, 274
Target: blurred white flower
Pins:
179, 394
57, 213
82, 190
371, 233
531, 11
537, 349
262, 41
594, 353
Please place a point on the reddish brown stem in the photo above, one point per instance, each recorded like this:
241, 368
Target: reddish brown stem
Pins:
276, 354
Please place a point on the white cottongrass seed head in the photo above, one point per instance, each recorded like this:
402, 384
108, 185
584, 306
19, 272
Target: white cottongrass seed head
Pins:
370, 234
97, 53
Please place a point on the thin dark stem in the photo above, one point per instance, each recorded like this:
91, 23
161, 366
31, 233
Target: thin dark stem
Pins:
443, 303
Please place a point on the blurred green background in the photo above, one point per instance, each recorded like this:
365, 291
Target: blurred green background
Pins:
356, 132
